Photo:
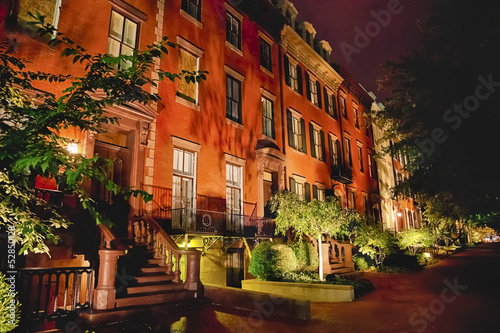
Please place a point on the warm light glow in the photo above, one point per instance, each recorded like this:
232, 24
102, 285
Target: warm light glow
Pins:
72, 147
399, 214
427, 254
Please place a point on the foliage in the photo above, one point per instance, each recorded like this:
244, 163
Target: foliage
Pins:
31, 122
374, 242
264, 262
399, 262
360, 262
7, 302
443, 106
287, 262
307, 256
415, 239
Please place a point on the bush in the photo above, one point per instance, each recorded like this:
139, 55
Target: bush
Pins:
415, 239
374, 242
360, 262
264, 262
401, 263
271, 260
307, 256
7, 323
287, 262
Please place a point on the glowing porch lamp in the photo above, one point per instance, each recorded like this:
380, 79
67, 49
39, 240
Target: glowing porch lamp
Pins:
72, 147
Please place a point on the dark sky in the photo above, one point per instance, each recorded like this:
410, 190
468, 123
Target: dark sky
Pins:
338, 21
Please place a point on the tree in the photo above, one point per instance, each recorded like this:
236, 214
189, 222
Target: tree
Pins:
311, 219
443, 104
414, 239
31, 121
374, 241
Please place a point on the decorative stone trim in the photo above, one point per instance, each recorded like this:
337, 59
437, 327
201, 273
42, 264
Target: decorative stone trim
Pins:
267, 94
235, 159
191, 19
233, 73
185, 144
188, 46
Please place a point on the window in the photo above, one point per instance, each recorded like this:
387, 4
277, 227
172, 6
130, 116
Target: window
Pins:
183, 196
51, 9
317, 142
370, 165
343, 108
193, 8
335, 152
318, 192
296, 131
293, 75
233, 99
367, 126
352, 199
188, 62
330, 106
347, 143
265, 55
366, 205
233, 30
268, 118
356, 117
299, 186
122, 37
360, 157
313, 90
234, 198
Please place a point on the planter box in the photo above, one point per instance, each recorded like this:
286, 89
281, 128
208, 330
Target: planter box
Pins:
311, 292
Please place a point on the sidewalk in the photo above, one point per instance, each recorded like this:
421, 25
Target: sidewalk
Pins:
459, 294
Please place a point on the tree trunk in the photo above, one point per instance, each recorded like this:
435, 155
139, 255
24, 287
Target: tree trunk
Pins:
320, 252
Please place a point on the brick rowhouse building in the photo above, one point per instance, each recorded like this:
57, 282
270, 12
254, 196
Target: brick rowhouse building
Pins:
273, 114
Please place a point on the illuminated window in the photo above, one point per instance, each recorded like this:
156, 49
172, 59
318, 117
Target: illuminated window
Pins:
317, 142
313, 90
293, 75
268, 118
299, 186
347, 147
234, 198
122, 37
370, 165
356, 117
188, 62
318, 192
352, 199
343, 108
296, 131
51, 9
360, 158
330, 105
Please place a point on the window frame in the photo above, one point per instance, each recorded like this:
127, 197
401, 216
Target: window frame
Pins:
233, 80
268, 101
360, 157
121, 41
230, 19
297, 128
266, 60
187, 4
197, 53
343, 106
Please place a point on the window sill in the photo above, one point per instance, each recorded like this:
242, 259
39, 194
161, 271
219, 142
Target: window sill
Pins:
191, 19
189, 104
267, 71
317, 106
298, 151
234, 124
295, 91
265, 137
234, 48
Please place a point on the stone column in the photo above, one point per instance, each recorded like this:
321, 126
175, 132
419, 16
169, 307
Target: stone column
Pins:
348, 255
193, 281
105, 294
327, 268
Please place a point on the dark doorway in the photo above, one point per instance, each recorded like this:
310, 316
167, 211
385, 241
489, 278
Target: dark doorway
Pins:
235, 266
270, 183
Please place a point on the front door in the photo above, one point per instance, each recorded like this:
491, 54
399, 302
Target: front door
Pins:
116, 208
183, 193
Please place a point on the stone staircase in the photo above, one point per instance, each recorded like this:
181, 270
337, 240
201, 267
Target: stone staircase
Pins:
142, 281
338, 257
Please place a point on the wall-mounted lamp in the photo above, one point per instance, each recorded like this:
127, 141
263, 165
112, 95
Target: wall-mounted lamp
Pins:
399, 214
72, 147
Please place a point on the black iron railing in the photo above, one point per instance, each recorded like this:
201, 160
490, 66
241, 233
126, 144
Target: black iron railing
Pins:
55, 292
341, 172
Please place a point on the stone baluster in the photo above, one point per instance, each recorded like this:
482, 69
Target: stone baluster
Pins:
137, 229
157, 250
143, 233
177, 272
169, 263
163, 254
348, 256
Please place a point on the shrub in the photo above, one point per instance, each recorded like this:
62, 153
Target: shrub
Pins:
401, 263
264, 262
360, 262
374, 242
7, 323
307, 256
287, 262
271, 260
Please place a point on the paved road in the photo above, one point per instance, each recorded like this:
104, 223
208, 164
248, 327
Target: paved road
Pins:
459, 294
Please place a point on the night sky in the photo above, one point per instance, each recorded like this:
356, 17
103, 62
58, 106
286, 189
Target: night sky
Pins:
337, 20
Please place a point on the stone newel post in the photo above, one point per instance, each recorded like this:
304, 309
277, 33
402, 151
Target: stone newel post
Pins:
327, 268
348, 255
193, 282
105, 294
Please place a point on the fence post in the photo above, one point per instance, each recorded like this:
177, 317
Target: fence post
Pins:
105, 294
